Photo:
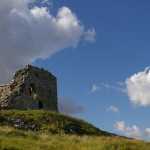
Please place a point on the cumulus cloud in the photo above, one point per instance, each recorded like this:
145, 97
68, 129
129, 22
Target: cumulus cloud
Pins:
118, 86
67, 106
131, 131
31, 33
112, 109
138, 88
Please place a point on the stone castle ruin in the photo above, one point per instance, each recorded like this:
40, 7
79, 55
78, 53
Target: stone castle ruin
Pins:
31, 88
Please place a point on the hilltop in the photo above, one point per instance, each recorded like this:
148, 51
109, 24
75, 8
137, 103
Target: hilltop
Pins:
39, 129
53, 122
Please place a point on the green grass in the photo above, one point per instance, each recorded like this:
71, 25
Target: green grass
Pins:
53, 122
15, 139
52, 136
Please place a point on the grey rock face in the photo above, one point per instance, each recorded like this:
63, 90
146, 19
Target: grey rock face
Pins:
31, 88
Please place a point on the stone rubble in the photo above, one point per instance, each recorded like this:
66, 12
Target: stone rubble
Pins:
24, 125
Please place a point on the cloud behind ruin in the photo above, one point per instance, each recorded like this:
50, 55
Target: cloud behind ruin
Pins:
67, 106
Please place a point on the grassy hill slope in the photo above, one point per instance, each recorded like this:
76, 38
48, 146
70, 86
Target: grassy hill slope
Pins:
46, 130
49, 121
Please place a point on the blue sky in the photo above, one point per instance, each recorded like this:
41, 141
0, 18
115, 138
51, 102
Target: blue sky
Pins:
102, 73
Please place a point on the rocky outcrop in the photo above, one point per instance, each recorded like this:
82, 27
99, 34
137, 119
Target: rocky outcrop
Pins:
20, 123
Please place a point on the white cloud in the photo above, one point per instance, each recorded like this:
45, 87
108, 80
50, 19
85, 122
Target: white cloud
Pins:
67, 106
118, 86
138, 88
148, 132
120, 83
131, 131
40, 12
95, 88
90, 35
112, 109
30, 34
46, 2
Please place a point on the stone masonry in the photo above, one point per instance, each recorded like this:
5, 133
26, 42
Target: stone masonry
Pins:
31, 88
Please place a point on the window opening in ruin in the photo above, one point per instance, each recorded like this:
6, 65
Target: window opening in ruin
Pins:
40, 105
32, 91
37, 76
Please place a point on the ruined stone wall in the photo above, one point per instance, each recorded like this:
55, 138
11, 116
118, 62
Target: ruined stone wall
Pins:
31, 88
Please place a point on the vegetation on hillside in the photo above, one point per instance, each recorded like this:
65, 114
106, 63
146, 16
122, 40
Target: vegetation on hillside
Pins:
59, 132
14, 139
52, 122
